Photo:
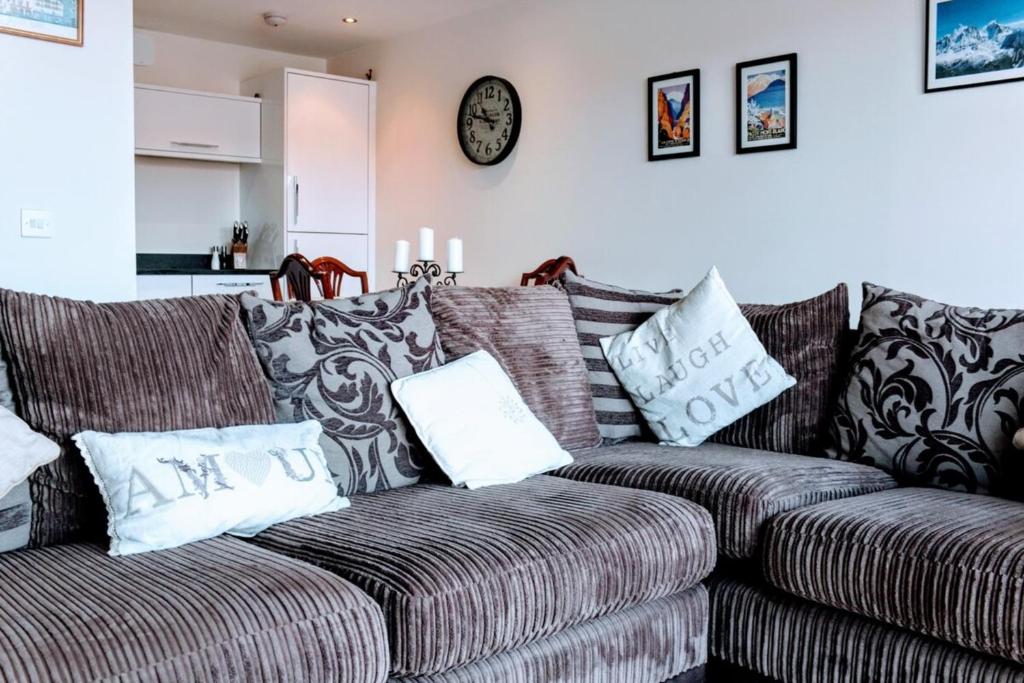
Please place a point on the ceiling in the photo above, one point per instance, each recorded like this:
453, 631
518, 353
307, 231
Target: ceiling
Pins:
314, 26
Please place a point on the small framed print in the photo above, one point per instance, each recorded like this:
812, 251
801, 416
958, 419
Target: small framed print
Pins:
673, 116
766, 101
59, 21
973, 42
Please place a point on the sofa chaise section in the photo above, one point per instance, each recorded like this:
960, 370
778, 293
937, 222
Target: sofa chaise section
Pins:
941, 563
220, 610
464, 575
742, 488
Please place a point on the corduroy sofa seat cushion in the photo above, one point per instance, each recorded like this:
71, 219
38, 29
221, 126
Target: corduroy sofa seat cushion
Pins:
655, 641
742, 488
809, 643
462, 575
220, 610
942, 563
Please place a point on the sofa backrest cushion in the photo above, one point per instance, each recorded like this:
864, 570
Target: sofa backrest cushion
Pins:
137, 366
334, 361
934, 393
806, 338
530, 332
601, 310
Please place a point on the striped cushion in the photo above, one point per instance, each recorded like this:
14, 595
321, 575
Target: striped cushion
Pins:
813, 644
462, 575
220, 610
529, 330
137, 366
650, 642
742, 488
601, 310
941, 563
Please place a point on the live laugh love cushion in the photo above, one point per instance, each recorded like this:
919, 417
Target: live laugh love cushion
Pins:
166, 489
696, 366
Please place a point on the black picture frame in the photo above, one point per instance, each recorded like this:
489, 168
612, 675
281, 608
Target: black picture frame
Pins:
653, 130
791, 114
928, 64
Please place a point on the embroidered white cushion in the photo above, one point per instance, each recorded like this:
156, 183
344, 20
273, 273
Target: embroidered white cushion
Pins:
22, 451
696, 366
166, 489
475, 424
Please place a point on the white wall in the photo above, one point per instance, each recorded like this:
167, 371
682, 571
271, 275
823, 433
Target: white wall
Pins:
66, 122
188, 206
921, 192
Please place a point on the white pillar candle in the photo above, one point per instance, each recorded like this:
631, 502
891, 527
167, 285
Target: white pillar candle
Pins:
455, 255
426, 244
402, 256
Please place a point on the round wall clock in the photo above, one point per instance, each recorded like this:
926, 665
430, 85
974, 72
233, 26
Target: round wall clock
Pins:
490, 117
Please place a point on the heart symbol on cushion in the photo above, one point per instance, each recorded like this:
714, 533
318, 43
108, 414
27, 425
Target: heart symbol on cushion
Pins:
254, 466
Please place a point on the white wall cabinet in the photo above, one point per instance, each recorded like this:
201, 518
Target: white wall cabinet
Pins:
317, 175
188, 124
173, 286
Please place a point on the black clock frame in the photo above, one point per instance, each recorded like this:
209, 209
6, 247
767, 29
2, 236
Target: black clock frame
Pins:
517, 122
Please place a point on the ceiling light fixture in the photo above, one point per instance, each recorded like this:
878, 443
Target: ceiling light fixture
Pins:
349, 20
274, 19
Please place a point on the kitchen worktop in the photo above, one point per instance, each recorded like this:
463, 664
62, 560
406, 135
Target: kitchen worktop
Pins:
186, 264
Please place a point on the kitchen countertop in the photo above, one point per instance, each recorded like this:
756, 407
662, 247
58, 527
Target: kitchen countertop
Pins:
187, 264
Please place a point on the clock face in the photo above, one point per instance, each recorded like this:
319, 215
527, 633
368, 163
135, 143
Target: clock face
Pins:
489, 120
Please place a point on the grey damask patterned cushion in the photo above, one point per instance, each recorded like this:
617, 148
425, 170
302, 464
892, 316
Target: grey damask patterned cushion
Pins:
16, 506
934, 394
334, 361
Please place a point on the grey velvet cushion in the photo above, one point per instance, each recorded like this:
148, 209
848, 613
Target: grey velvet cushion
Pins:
530, 332
941, 563
742, 488
215, 611
462, 575
334, 361
655, 641
809, 643
934, 394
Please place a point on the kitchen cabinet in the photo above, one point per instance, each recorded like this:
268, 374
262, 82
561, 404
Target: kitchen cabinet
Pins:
173, 286
163, 286
351, 249
188, 124
317, 175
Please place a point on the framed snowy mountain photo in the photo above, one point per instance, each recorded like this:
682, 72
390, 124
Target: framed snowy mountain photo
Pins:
673, 115
974, 42
766, 105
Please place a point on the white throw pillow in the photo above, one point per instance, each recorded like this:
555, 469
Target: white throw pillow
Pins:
470, 417
696, 366
22, 451
166, 489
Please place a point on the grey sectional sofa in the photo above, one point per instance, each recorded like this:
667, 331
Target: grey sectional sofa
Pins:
637, 563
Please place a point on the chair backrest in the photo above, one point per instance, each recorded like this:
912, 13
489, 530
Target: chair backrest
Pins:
334, 270
299, 276
549, 271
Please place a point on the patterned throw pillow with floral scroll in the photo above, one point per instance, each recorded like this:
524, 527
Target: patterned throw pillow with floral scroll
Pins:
334, 361
935, 394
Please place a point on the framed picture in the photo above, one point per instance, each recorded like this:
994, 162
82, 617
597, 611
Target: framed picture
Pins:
60, 21
766, 105
673, 116
973, 42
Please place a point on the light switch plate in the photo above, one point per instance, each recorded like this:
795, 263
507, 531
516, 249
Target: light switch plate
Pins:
36, 223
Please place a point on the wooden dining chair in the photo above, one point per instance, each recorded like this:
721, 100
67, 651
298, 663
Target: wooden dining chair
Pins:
549, 271
334, 270
299, 276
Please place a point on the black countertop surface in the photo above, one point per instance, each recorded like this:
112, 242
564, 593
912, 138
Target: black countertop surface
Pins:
186, 264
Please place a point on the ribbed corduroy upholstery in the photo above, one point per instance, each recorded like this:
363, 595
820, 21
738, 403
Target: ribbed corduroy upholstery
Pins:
742, 488
220, 610
530, 332
139, 366
462, 575
650, 642
941, 563
786, 639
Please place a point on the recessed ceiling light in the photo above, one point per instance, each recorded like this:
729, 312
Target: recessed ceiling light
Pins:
349, 20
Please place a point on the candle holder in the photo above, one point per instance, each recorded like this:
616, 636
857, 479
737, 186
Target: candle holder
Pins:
430, 268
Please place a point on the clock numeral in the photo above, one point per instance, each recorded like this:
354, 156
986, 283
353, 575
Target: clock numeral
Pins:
472, 136
508, 119
507, 105
489, 92
469, 122
504, 134
478, 144
498, 146
487, 150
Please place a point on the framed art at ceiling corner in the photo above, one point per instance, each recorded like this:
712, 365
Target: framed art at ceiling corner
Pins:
973, 42
766, 104
59, 21
673, 115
